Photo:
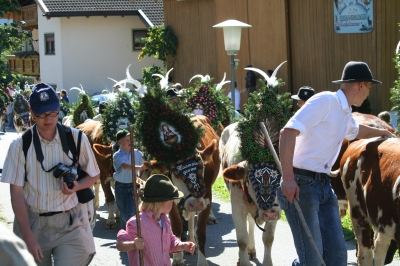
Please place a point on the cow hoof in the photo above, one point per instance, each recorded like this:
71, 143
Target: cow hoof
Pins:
252, 254
110, 225
117, 219
212, 220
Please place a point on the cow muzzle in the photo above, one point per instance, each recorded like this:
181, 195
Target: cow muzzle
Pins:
193, 204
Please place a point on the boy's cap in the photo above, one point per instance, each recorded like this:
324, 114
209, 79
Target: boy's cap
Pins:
43, 99
159, 188
122, 134
304, 93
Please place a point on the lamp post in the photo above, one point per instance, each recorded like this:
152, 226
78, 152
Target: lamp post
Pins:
232, 33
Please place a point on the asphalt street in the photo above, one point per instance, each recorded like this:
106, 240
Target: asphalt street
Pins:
221, 247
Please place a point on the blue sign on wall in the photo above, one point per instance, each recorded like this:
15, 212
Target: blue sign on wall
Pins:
353, 16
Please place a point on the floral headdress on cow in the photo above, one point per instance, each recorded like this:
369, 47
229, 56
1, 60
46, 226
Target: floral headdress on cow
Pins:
265, 106
83, 108
215, 105
120, 114
166, 133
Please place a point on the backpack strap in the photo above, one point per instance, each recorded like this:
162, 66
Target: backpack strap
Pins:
26, 143
71, 144
65, 142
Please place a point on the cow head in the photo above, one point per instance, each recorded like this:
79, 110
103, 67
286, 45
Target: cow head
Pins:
191, 203
103, 154
238, 173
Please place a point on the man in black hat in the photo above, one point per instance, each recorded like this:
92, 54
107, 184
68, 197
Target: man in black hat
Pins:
303, 95
48, 216
309, 146
251, 81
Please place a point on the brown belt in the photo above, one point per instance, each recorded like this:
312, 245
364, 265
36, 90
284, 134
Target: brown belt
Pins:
46, 214
312, 174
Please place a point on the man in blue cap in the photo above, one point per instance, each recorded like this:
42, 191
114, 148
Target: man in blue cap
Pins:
48, 217
309, 145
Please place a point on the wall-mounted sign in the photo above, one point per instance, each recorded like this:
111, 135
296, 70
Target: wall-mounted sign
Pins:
353, 16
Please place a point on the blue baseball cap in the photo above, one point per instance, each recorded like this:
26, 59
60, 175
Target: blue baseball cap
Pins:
43, 99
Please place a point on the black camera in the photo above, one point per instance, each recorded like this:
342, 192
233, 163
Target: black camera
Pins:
67, 172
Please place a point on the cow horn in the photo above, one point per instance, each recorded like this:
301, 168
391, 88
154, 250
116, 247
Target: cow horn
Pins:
334, 173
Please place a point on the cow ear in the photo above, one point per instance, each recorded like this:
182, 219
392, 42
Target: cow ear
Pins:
234, 173
209, 150
103, 150
148, 165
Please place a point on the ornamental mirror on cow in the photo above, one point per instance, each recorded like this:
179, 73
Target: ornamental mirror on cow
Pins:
21, 112
118, 114
208, 100
82, 109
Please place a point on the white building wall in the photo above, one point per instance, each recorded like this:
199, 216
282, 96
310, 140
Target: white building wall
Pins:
88, 50
51, 71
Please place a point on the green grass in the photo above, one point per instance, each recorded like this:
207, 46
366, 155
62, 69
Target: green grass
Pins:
219, 190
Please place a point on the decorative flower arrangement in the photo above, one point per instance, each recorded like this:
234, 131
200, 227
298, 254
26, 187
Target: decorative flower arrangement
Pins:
119, 114
83, 105
166, 135
217, 107
263, 103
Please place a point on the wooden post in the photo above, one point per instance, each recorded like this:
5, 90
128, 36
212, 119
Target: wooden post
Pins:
135, 194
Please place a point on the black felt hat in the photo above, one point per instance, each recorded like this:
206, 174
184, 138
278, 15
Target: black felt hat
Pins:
304, 93
159, 188
356, 72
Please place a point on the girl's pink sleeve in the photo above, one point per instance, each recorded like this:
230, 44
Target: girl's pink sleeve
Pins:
131, 231
174, 241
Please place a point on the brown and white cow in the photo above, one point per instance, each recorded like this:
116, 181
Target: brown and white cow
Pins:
208, 150
103, 153
243, 200
371, 177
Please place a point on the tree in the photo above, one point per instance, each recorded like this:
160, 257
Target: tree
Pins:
395, 91
160, 43
11, 37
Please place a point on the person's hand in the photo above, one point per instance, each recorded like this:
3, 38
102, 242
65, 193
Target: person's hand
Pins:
68, 191
387, 133
34, 248
290, 189
189, 247
138, 244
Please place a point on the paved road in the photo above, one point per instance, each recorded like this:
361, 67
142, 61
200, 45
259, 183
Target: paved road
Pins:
221, 239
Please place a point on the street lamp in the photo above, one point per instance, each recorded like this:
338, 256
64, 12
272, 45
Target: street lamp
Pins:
232, 33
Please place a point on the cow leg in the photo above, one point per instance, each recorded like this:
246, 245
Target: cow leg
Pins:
212, 219
96, 194
201, 227
382, 242
176, 226
111, 180
239, 214
268, 239
110, 200
251, 247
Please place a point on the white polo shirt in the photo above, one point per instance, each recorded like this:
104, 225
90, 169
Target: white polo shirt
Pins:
324, 121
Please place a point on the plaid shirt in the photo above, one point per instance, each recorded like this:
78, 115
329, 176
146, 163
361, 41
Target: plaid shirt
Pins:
156, 250
42, 191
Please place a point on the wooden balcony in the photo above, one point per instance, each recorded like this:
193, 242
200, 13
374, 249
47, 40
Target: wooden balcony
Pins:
28, 14
28, 66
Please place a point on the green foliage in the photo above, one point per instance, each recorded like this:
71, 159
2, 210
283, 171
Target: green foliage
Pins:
219, 189
160, 43
148, 78
11, 38
82, 104
395, 91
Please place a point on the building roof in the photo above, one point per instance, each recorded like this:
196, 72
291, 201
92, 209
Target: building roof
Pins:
152, 12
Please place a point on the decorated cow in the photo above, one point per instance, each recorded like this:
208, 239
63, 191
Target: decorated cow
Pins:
370, 175
251, 173
185, 149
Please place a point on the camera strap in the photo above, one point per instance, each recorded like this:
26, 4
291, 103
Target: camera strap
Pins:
67, 142
38, 149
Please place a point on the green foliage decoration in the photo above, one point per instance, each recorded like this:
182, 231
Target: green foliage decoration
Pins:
148, 77
160, 43
261, 104
117, 115
217, 107
83, 105
155, 109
